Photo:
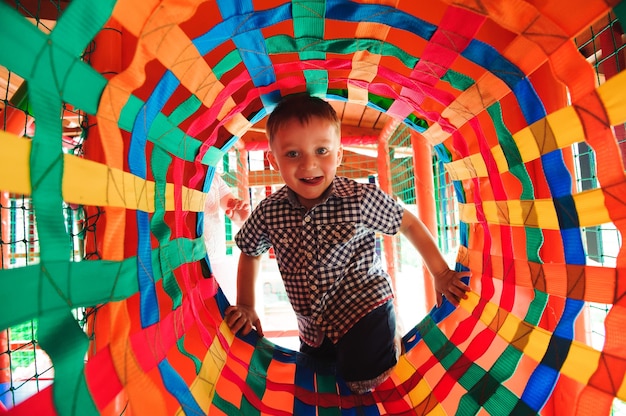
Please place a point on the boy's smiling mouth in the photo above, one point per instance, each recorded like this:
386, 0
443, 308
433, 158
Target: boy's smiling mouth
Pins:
312, 180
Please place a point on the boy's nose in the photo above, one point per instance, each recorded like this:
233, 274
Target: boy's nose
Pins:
308, 162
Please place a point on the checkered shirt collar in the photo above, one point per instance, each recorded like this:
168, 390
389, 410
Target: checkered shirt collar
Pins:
339, 188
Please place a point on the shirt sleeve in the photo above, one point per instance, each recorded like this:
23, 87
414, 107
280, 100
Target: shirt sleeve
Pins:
379, 211
253, 237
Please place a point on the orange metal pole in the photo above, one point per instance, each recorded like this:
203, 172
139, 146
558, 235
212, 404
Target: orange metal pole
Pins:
15, 121
384, 181
243, 181
425, 200
107, 60
268, 192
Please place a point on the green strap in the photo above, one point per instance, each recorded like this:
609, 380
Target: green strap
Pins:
55, 60
213, 156
163, 131
476, 380
81, 22
64, 341
308, 21
185, 110
46, 175
256, 377
46, 64
159, 165
327, 384
227, 63
61, 285
534, 236
280, 44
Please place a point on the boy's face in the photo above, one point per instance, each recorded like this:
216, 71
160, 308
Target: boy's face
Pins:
307, 157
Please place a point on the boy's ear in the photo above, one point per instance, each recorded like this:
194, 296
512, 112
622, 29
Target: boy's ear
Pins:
339, 155
272, 160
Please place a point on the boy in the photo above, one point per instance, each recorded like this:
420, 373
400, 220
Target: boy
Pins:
322, 228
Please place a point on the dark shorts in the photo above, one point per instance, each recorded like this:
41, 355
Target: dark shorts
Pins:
366, 351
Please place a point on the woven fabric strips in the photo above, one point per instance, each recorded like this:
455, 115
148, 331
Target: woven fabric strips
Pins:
486, 83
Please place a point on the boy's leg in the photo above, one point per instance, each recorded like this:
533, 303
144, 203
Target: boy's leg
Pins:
369, 351
321, 359
326, 351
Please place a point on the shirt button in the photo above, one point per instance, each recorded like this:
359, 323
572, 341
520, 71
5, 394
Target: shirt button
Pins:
307, 219
319, 319
309, 255
313, 287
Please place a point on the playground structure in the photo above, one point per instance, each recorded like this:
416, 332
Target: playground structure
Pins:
115, 117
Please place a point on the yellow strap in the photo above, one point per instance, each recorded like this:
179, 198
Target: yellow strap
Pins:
14, 163
203, 386
87, 182
564, 124
539, 213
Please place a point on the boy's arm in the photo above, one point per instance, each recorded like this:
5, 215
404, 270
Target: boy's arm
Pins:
243, 316
447, 282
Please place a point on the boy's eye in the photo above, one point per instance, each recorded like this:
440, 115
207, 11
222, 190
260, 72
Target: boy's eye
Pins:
292, 153
322, 151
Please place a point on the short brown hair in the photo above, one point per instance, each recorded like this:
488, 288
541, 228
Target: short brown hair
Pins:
302, 107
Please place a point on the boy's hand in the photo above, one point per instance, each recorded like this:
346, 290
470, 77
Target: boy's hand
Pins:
243, 318
448, 283
238, 210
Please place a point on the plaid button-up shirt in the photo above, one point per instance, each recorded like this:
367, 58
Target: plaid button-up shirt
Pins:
326, 256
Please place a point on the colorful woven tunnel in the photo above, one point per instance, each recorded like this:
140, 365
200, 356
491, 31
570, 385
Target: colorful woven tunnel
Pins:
498, 89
